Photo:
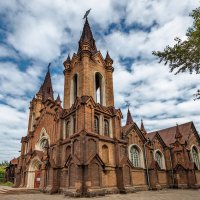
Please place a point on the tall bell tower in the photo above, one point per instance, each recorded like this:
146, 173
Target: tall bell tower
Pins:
91, 125
87, 73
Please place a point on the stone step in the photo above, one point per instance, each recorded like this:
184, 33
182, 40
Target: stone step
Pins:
16, 191
3, 191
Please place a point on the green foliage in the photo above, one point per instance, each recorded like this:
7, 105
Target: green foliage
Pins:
2, 173
3, 166
2, 169
4, 163
184, 56
6, 183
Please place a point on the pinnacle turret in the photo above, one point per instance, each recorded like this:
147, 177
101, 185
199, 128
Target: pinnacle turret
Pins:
58, 99
67, 62
108, 59
129, 119
68, 59
178, 134
142, 127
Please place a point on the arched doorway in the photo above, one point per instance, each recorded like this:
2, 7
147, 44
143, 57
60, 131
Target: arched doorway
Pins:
34, 173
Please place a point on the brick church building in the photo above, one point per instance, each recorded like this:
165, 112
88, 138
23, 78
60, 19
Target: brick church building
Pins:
82, 148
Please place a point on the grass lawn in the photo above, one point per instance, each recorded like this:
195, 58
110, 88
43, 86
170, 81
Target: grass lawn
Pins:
6, 184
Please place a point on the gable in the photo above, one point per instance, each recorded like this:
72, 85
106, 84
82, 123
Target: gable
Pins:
168, 134
157, 142
133, 133
134, 138
98, 58
125, 161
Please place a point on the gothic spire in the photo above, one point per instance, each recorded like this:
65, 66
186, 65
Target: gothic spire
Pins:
68, 59
142, 127
67, 62
178, 133
58, 99
87, 38
129, 119
46, 89
108, 59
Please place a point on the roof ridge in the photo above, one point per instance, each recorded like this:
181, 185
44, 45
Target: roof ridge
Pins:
170, 127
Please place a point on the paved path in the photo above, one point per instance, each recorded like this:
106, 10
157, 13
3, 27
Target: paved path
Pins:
4, 190
144, 195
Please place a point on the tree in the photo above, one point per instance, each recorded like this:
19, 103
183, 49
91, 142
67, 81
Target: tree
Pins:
4, 163
184, 56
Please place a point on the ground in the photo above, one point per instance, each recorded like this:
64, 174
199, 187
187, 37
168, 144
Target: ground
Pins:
7, 193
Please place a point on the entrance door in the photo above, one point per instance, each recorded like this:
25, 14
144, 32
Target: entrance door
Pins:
37, 179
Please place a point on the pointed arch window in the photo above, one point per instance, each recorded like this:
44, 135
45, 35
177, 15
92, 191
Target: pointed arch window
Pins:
98, 88
25, 147
96, 124
32, 121
74, 124
106, 127
54, 154
66, 131
195, 157
75, 87
44, 144
68, 151
158, 157
135, 156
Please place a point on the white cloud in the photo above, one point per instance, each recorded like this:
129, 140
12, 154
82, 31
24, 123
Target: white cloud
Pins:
37, 38
162, 11
14, 81
39, 30
7, 52
13, 125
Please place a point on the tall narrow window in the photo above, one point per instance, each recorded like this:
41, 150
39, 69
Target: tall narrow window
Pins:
75, 87
195, 157
32, 121
96, 124
106, 127
98, 88
135, 156
66, 129
54, 154
43, 144
74, 124
158, 157
25, 148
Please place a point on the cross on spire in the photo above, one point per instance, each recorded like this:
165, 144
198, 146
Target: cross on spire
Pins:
87, 13
127, 104
87, 39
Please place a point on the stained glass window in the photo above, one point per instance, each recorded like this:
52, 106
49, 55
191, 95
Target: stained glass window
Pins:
106, 127
158, 158
135, 157
96, 124
195, 157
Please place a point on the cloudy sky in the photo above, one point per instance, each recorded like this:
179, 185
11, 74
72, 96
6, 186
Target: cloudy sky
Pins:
34, 33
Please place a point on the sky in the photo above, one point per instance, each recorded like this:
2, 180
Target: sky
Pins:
34, 33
